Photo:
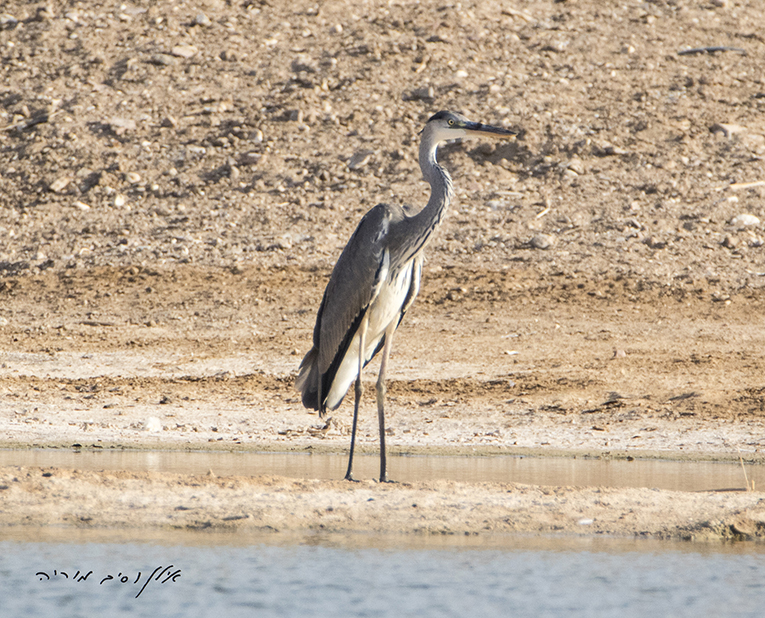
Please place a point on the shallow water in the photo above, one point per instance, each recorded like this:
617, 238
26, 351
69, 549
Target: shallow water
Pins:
674, 475
374, 576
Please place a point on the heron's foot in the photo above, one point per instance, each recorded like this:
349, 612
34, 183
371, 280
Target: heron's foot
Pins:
349, 477
385, 479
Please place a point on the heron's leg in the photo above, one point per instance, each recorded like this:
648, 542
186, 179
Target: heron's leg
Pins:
381, 400
358, 392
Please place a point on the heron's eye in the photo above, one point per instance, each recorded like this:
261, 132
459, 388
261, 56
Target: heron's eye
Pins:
451, 123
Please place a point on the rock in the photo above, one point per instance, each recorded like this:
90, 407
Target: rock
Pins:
184, 51
425, 93
58, 185
303, 63
120, 200
202, 20
121, 125
133, 178
542, 241
163, 60
360, 159
727, 129
729, 242
336, 29
250, 158
8, 21
576, 166
745, 220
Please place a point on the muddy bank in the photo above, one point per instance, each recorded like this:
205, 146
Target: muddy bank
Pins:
34, 496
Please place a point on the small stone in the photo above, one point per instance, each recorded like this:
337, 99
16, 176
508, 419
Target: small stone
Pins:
169, 122
422, 94
202, 20
58, 185
184, 51
82, 205
336, 29
250, 158
120, 200
8, 21
303, 63
576, 166
729, 242
727, 129
133, 178
542, 241
257, 136
360, 159
122, 125
745, 220
163, 60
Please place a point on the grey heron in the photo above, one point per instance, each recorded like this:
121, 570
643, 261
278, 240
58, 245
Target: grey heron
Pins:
375, 282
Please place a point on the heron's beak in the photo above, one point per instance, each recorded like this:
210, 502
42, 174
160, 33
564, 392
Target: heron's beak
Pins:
476, 129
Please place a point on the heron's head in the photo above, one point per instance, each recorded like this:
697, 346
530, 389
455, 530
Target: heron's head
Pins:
446, 125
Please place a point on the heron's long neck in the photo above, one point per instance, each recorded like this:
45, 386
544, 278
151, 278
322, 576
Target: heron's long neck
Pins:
421, 226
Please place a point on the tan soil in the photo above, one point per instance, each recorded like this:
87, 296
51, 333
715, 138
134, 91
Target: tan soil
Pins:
168, 223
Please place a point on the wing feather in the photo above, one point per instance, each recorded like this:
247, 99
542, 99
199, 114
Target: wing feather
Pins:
353, 285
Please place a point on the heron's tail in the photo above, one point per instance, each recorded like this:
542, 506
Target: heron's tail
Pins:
307, 382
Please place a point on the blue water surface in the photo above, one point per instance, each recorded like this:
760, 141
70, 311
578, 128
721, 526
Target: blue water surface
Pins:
320, 576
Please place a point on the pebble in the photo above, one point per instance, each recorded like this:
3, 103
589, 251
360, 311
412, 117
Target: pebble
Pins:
120, 200
303, 63
542, 241
360, 159
576, 166
82, 205
184, 51
164, 60
745, 220
336, 29
727, 129
202, 20
133, 177
58, 185
120, 125
729, 242
422, 94
8, 21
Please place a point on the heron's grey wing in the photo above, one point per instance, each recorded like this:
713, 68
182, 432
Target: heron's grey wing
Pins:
354, 283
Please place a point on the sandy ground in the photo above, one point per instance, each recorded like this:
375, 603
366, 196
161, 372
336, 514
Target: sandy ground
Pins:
176, 182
